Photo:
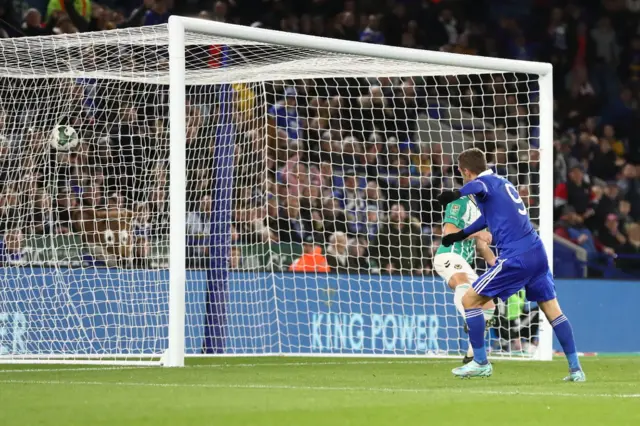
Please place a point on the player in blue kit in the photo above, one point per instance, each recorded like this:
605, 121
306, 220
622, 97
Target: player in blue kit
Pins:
522, 262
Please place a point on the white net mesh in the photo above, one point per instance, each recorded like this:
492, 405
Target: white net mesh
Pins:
310, 179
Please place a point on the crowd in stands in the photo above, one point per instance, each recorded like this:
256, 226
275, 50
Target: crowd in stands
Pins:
348, 176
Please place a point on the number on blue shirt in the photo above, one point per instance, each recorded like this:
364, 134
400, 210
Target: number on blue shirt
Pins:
513, 193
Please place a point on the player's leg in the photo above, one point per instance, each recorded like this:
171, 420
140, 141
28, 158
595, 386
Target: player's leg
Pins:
473, 304
479, 366
542, 291
460, 283
502, 280
459, 275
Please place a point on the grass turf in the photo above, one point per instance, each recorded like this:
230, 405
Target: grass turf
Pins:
302, 391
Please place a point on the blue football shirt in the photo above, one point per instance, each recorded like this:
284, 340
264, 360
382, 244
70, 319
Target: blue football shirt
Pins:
503, 212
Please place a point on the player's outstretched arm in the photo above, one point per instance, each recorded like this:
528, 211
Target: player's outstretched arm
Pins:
475, 187
476, 226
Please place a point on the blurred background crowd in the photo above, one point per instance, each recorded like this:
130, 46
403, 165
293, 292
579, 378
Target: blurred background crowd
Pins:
353, 164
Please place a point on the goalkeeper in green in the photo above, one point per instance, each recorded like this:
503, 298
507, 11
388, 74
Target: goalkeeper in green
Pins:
453, 263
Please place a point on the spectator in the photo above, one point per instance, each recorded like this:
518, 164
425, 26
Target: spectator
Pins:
290, 225
9, 209
575, 192
32, 24
11, 248
332, 219
312, 259
607, 53
142, 233
395, 24
220, 10
369, 232
345, 28
82, 7
610, 235
157, 13
352, 198
198, 230
624, 214
619, 112
65, 25
583, 101
286, 113
609, 133
399, 245
235, 258
606, 166
100, 19
629, 186
630, 251
463, 47
339, 258
372, 33
558, 39
66, 204
446, 32
42, 219
521, 49
572, 228
530, 202
374, 197
608, 202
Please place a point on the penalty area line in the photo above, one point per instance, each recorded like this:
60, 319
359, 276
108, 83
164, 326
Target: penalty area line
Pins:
317, 388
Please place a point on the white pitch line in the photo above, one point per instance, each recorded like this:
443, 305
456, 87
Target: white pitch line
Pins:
321, 388
314, 363
243, 365
55, 370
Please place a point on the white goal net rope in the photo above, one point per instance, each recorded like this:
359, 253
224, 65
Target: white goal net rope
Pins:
311, 226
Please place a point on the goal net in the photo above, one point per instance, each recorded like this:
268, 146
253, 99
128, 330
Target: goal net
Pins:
203, 188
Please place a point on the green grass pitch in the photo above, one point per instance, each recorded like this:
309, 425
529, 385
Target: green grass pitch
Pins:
321, 391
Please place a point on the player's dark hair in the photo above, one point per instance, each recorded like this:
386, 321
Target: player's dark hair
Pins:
473, 160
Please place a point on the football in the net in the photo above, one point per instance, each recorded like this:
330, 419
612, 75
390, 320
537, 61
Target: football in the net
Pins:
64, 138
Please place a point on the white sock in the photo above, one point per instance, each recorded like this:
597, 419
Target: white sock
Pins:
470, 351
457, 298
488, 313
457, 301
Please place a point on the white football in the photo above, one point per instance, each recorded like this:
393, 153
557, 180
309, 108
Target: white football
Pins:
64, 138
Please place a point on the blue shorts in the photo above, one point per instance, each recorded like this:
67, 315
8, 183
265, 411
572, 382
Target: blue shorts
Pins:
529, 270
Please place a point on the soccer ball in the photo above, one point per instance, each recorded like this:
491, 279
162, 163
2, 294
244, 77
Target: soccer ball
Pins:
64, 138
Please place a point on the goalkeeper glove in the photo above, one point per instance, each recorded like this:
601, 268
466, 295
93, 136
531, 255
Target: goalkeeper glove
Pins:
446, 197
454, 237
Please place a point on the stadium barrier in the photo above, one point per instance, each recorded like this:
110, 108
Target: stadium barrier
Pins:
44, 310
599, 312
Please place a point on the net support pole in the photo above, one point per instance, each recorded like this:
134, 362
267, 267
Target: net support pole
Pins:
174, 356
221, 215
545, 334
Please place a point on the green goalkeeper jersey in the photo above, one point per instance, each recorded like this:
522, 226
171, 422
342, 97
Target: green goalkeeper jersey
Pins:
461, 213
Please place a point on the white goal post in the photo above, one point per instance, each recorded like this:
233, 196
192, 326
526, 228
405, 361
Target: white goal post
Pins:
231, 119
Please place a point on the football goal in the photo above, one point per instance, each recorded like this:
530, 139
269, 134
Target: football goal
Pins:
202, 188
